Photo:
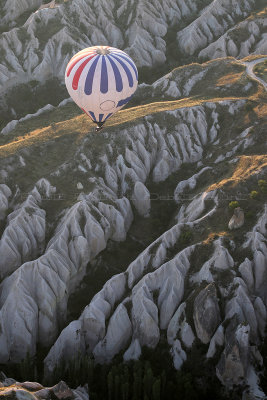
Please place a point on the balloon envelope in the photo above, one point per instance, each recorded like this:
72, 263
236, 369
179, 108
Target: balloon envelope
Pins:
101, 80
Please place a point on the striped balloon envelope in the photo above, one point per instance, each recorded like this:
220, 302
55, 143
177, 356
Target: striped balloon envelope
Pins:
101, 80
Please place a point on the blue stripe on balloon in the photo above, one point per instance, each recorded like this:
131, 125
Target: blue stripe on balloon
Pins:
100, 117
126, 69
90, 77
124, 101
104, 76
92, 115
128, 60
109, 115
119, 84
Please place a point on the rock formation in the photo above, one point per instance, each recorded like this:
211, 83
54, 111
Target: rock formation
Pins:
9, 388
90, 262
237, 219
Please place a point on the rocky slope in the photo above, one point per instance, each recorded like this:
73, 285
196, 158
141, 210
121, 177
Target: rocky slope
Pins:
165, 292
38, 48
10, 389
116, 242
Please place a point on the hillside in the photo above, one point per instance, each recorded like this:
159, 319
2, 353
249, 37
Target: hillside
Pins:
116, 246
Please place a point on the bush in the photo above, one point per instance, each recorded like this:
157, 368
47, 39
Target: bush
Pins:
233, 204
254, 194
186, 237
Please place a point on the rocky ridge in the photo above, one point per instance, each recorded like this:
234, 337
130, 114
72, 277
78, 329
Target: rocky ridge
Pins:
151, 296
39, 48
10, 389
68, 195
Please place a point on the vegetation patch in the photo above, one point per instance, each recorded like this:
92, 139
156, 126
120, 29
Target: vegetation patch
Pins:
247, 166
152, 377
233, 204
261, 70
229, 79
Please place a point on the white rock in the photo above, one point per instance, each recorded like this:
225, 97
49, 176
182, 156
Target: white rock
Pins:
133, 352
237, 219
241, 307
72, 338
216, 340
187, 335
141, 199
5, 193
260, 266
81, 393
206, 313
246, 272
261, 315
178, 354
24, 236
189, 183
56, 273
175, 323
118, 335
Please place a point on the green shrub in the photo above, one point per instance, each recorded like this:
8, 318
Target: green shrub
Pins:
233, 204
185, 237
254, 194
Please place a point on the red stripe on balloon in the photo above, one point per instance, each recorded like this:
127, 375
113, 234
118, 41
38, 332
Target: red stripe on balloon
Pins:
73, 62
79, 72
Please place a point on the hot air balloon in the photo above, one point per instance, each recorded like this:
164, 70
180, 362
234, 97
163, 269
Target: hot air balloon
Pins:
101, 80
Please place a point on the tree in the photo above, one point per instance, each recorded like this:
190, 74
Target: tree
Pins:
254, 194
137, 382
110, 385
156, 390
117, 387
233, 204
148, 380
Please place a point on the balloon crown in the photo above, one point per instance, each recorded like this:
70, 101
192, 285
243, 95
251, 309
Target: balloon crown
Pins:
102, 51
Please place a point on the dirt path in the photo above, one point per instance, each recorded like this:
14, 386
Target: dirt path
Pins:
249, 68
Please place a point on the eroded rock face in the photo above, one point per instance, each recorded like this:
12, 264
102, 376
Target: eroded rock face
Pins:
27, 242
12, 10
141, 199
12, 390
233, 365
206, 313
183, 150
141, 32
237, 219
153, 301
252, 40
5, 193
118, 335
135, 307
57, 273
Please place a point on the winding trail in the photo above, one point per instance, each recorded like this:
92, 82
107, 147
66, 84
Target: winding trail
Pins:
249, 69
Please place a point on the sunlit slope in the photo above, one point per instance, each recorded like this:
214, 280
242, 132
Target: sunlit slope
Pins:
215, 81
81, 125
